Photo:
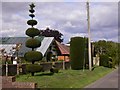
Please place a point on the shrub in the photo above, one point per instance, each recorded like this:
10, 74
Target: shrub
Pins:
32, 32
32, 15
104, 60
33, 56
54, 70
32, 22
77, 48
32, 10
33, 68
33, 43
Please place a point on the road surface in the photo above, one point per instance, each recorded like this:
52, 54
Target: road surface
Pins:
108, 81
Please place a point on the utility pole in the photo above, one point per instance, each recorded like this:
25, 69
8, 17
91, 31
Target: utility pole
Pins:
89, 39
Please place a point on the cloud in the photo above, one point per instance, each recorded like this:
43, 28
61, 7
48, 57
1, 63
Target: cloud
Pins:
70, 18
104, 15
104, 21
60, 0
32, 0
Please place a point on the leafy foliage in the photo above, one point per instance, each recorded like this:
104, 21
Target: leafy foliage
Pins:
32, 32
35, 68
52, 33
104, 60
33, 56
33, 43
32, 15
32, 11
109, 48
32, 22
77, 48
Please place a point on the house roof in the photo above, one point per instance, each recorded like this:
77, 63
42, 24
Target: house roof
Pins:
14, 40
45, 43
63, 48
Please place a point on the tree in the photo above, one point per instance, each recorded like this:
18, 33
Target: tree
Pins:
33, 43
52, 33
108, 48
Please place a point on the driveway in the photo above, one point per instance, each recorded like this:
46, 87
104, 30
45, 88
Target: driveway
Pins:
108, 81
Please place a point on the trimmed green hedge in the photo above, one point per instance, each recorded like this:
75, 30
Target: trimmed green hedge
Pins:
33, 43
33, 68
33, 56
32, 10
32, 22
77, 51
32, 32
32, 15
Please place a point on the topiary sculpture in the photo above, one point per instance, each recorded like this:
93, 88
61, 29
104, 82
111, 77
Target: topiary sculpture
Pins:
33, 43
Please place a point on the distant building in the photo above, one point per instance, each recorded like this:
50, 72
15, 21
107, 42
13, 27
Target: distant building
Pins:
48, 45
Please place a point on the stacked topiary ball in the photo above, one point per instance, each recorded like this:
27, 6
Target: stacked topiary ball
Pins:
33, 56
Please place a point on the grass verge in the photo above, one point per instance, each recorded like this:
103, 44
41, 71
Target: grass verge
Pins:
65, 78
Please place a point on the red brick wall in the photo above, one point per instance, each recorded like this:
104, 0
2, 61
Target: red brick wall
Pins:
10, 82
24, 85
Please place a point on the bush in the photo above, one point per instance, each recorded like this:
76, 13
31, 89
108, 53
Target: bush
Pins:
104, 60
54, 70
32, 22
33, 43
32, 11
77, 48
33, 56
33, 68
32, 32
32, 15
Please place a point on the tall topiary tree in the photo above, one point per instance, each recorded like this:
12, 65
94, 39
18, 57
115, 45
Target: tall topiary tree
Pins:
32, 43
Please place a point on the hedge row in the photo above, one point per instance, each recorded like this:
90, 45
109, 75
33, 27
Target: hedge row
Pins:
77, 52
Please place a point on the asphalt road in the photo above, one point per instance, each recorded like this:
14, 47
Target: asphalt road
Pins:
108, 81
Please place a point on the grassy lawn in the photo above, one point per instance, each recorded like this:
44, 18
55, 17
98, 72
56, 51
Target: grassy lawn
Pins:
65, 78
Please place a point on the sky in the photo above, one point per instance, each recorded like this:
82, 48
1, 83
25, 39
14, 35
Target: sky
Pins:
69, 18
